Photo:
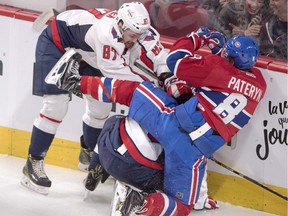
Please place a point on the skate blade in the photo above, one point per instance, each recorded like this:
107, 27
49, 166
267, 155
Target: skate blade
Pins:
57, 71
116, 213
116, 205
83, 167
86, 194
120, 191
26, 182
116, 209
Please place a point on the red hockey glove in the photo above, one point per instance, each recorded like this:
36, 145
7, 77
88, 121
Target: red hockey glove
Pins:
211, 203
177, 88
208, 203
216, 42
200, 37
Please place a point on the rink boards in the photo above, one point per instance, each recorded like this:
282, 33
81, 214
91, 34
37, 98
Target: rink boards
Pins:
259, 150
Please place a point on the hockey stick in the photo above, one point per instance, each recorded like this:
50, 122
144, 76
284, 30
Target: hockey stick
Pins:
43, 18
249, 179
145, 70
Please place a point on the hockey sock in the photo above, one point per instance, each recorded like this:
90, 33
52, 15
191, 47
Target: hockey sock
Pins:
161, 204
90, 135
40, 143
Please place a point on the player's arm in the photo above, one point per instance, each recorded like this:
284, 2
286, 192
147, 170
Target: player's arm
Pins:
108, 90
191, 67
152, 53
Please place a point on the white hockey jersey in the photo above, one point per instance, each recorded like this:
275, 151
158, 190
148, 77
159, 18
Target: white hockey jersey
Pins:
95, 35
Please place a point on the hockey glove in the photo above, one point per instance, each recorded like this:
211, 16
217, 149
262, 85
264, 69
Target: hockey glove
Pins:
207, 203
200, 37
162, 77
216, 42
178, 88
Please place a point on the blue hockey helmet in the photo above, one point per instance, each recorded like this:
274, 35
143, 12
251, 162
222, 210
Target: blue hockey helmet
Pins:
244, 50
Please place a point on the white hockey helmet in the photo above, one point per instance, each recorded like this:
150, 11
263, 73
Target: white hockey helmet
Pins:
134, 17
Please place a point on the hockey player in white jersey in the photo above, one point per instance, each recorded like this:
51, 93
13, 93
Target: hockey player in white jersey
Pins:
109, 42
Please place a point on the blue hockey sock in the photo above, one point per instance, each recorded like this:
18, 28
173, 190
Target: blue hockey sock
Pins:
90, 136
40, 143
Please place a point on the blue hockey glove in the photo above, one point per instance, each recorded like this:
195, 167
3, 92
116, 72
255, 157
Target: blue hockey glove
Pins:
200, 37
216, 42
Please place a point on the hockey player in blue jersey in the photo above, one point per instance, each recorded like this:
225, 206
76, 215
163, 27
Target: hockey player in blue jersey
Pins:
189, 133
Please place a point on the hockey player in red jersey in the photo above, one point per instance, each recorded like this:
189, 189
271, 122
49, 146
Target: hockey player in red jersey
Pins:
227, 95
189, 133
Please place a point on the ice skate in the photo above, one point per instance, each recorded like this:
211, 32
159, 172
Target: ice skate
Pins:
84, 156
93, 178
65, 74
84, 159
35, 177
127, 201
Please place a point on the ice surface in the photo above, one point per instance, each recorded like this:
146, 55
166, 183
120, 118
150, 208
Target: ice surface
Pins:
66, 196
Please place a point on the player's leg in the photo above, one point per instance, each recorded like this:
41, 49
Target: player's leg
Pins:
205, 201
93, 120
117, 161
91, 130
96, 112
54, 108
44, 129
171, 202
183, 177
128, 200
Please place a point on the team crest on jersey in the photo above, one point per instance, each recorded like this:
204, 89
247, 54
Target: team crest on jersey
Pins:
179, 195
237, 44
150, 35
115, 35
149, 38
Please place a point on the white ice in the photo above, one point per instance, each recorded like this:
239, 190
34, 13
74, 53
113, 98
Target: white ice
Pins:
66, 196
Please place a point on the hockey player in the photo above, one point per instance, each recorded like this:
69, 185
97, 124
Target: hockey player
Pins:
109, 42
228, 90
